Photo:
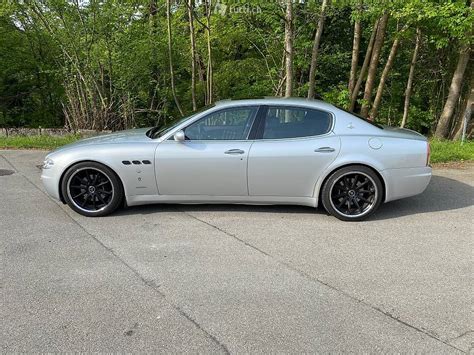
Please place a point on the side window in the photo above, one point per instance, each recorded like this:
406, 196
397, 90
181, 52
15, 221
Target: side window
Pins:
229, 124
293, 122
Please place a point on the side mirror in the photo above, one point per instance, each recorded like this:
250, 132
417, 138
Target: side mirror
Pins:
179, 136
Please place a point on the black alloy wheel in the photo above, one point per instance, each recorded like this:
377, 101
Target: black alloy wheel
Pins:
92, 189
352, 193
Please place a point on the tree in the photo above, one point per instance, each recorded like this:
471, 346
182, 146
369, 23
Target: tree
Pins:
384, 76
411, 75
289, 48
355, 50
170, 56
442, 128
209, 70
315, 51
193, 52
465, 117
374, 61
365, 65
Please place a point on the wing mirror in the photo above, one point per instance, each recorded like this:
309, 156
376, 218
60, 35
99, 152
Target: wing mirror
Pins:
179, 136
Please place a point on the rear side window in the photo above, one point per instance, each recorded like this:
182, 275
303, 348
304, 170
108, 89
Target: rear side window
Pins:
294, 122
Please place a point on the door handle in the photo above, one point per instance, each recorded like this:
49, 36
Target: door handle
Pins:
324, 150
234, 151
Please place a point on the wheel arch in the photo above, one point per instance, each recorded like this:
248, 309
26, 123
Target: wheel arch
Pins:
61, 197
321, 181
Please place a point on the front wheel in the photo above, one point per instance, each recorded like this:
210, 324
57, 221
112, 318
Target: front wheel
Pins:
92, 189
352, 193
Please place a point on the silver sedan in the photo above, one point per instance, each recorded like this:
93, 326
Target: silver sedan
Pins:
265, 151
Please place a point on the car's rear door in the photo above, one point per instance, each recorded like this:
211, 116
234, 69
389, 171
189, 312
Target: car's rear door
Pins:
294, 146
212, 161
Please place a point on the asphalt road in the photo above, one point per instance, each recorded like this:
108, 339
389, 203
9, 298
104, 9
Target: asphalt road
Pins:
176, 278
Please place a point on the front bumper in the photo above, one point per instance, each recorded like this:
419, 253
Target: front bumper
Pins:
50, 179
405, 182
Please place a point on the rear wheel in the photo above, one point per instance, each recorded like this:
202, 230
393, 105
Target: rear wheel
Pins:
352, 193
92, 189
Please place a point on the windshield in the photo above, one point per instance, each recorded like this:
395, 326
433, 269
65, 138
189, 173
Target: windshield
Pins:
362, 118
163, 128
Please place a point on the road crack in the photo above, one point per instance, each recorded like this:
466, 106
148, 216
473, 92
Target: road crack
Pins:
150, 284
324, 283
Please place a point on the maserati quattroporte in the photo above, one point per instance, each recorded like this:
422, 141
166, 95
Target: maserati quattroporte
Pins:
262, 151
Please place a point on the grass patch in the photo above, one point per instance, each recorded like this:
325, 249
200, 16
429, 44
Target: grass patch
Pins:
441, 151
37, 142
446, 151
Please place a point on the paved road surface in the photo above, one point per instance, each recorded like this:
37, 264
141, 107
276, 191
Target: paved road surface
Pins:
235, 278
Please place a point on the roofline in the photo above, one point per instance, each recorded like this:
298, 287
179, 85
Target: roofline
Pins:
275, 100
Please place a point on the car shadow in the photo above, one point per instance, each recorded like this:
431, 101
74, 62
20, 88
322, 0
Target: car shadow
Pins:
442, 194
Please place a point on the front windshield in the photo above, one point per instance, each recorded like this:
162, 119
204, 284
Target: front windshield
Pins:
162, 128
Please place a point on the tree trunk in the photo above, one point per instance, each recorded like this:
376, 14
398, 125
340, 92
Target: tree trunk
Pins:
209, 74
386, 70
355, 53
365, 65
170, 56
442, 129
315, 52
466, 117
289, 48
410, 78
193, 53
374, 61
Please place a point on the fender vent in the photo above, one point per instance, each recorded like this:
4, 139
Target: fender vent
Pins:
125, 162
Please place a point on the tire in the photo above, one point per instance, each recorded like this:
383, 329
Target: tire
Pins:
92, 189
352, 193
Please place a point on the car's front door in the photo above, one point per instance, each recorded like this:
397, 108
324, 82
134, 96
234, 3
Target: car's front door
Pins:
294, 148
212, 160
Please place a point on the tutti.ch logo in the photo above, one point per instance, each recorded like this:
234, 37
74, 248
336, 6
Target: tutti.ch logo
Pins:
224, 9
220, 8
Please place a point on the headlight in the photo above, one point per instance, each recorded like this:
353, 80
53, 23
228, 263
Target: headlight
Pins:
48, 163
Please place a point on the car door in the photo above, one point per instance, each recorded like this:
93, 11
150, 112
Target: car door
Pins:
212, 160
294, 147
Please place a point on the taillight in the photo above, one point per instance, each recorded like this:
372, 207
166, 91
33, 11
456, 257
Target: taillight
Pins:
428, 153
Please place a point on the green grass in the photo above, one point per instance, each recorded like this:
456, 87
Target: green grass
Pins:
446, 151
441, 151
36, 142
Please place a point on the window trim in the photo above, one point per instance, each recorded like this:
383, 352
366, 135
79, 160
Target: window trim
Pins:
252, 124
262, 117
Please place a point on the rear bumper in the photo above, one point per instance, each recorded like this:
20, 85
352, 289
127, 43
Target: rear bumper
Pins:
405, 182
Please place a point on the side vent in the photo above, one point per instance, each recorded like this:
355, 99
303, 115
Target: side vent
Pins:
125, 162
136, 162
146, 162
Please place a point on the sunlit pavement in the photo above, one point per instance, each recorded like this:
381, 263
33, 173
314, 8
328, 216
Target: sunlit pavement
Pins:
204, 278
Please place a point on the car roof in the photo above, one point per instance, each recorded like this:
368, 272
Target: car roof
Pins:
287, 101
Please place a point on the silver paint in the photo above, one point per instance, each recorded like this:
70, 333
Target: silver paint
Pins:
266, 171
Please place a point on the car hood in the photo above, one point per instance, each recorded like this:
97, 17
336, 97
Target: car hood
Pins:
403, 133
127, 136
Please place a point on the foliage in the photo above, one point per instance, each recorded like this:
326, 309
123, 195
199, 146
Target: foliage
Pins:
104, 64
444, 151
37, 142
